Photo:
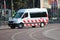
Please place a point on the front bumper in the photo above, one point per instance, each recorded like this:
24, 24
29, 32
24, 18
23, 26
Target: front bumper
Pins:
13, 24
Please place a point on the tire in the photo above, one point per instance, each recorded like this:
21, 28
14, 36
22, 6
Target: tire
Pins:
42, 24
33, 26
21, 25
12, 27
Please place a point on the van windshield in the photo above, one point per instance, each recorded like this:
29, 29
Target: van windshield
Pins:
18, 15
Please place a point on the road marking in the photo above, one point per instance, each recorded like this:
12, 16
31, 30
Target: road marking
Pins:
31, 35
46, 32
16, 34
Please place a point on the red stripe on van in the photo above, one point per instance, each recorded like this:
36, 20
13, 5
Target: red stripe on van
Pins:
28, 20
27, 25
32, 20
24, 21
30, 24
34, 24
39, 20
35, 20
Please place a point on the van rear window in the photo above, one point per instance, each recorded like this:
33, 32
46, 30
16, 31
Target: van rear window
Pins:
39, 14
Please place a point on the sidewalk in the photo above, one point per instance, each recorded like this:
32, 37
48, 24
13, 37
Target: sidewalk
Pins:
3, 26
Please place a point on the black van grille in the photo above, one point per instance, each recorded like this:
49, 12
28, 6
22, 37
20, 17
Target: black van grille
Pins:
10, 21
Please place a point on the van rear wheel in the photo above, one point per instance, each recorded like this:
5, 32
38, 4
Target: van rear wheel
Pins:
21, 25
42, 24
33, 26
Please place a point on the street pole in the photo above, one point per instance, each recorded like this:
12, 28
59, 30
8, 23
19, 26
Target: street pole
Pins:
33, 3
4, 7
11, 7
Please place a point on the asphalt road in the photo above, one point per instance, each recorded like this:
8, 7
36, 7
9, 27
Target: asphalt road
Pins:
49, 32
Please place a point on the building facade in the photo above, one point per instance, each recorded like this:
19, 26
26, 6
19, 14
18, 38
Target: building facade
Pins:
46, 3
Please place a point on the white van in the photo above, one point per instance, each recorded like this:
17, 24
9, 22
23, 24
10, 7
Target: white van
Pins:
29, 17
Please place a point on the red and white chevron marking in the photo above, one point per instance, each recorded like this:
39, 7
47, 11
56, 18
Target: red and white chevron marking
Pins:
34, 22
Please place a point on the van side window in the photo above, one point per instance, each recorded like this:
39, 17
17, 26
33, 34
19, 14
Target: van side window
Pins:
25, 15
38, 14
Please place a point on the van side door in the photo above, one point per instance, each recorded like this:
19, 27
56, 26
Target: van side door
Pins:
25, 18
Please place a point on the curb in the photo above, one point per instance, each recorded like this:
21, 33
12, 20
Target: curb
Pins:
4, 26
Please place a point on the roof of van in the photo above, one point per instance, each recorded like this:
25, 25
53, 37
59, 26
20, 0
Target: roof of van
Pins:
33, 10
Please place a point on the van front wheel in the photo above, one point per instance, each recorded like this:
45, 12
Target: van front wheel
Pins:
21, 25
12, 27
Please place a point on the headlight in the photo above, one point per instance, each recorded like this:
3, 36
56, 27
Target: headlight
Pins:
10, 18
